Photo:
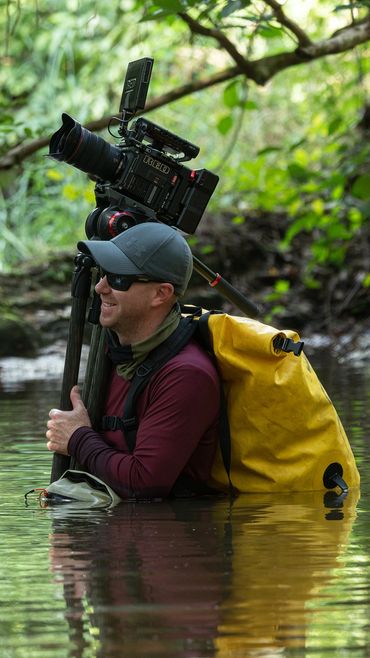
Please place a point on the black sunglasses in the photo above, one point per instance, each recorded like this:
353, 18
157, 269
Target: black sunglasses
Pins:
123, 281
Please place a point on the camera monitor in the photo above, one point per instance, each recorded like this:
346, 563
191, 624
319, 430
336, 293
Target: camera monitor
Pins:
136, 85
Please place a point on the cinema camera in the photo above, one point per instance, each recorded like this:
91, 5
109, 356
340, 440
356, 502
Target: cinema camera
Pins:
144, 172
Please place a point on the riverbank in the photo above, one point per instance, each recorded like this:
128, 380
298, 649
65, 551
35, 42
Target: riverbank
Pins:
326, 301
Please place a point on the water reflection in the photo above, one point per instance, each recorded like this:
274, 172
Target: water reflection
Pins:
284, 555
212, 578
266, 576
143, 580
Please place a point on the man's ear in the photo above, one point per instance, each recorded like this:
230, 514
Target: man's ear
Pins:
164, 293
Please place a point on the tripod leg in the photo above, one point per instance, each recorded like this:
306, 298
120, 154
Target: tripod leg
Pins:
227, 290
91, 362
70, 375
99, 381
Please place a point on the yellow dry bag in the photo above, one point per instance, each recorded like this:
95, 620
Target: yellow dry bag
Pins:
285, 433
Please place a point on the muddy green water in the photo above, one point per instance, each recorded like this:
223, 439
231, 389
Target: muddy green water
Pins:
265, 577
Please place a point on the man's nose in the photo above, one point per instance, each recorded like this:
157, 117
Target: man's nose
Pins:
102, 285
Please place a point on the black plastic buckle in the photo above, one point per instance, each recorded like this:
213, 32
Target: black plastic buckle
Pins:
111, 423
288, 345
129, 423
142, 370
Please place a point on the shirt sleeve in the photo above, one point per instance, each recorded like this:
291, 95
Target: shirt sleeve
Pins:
176, 414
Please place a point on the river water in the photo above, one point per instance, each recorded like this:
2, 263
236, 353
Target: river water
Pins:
262, 577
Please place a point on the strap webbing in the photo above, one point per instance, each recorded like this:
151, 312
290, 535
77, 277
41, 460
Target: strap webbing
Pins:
225, 436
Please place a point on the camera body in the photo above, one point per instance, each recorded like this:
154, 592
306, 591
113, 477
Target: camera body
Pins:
144, 172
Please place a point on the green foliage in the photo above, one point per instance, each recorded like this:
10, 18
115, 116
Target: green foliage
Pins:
291, 147
281, 287
317, 172
45, 212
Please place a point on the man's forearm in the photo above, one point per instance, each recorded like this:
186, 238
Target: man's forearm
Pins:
124, 472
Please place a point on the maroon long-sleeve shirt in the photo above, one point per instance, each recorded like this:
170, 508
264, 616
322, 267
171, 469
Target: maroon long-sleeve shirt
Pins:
178, 431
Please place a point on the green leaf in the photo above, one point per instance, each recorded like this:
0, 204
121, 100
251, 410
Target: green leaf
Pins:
270, 32
320, 251
269, 149
297, 172
233, 6
230, 95
282, 286
162, 9
334, 125
355, 217
278, 309
208, 249
366, 281
7, 118
225, 124
352, 5
311, 283
170, 5
318, 206
361, 187
305, 223
250, 105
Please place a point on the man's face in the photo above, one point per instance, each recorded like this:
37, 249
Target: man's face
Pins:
125, 312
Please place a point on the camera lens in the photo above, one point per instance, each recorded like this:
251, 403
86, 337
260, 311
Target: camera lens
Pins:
79, 147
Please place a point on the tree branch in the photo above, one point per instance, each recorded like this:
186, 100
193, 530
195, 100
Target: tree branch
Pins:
346, 39
283, 19
260, 71
197, 28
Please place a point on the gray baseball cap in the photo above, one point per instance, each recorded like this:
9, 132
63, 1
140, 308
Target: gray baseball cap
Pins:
152, 249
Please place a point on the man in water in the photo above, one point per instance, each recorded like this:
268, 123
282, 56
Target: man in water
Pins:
144, 271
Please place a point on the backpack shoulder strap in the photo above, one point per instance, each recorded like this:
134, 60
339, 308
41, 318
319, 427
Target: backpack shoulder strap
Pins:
153, 362
205, 338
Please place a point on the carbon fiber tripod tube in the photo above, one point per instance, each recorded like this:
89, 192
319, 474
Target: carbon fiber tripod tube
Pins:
81, 283
225, 289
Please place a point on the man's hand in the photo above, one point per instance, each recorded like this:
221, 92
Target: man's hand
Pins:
62, 424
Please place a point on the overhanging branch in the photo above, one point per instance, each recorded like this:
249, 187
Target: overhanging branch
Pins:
197, 28
260, 71
302, 38
345, 40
